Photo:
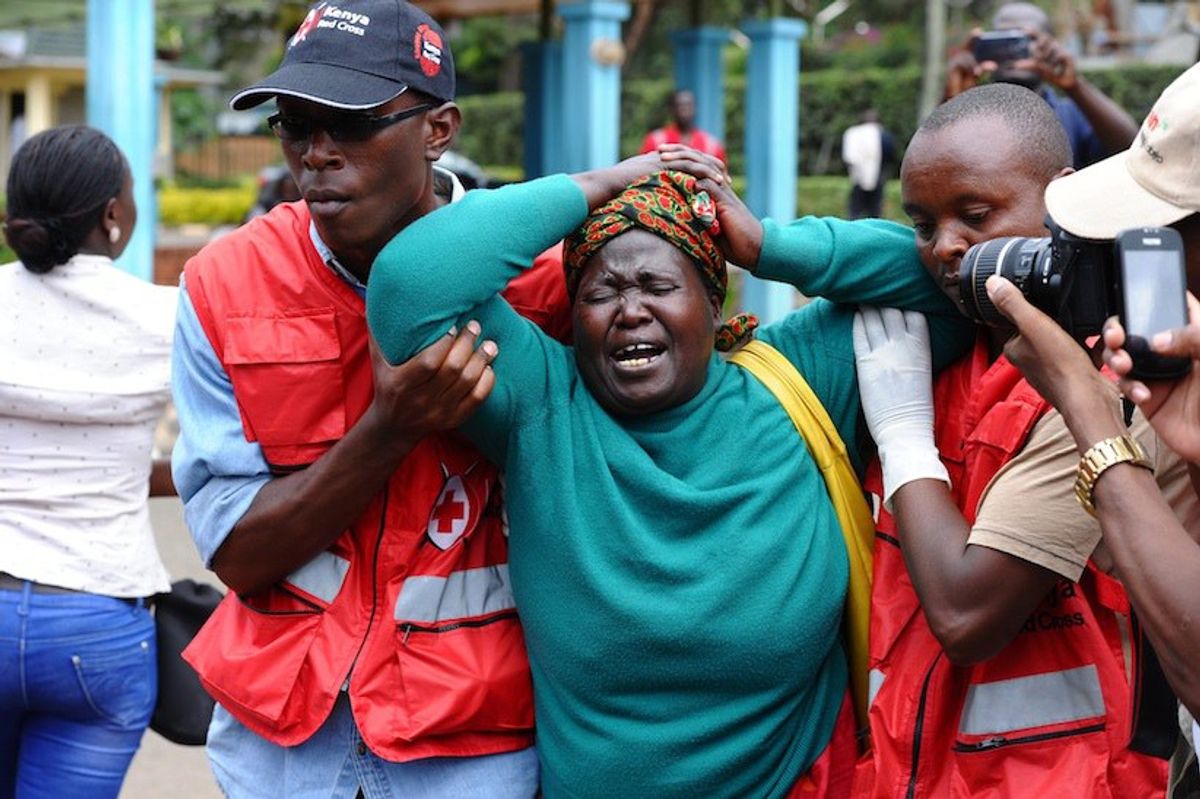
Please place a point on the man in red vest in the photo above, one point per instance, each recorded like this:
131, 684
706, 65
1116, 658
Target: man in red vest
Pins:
997, 638
369, 644
682, 129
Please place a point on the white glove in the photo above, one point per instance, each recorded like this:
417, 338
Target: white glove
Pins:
895, 381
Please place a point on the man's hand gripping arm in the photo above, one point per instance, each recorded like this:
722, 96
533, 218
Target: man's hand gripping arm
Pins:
293, 518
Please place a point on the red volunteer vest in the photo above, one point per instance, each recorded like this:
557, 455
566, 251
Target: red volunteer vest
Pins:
412, 602
1050, 715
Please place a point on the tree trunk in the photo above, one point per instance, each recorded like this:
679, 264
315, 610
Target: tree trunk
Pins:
933, 79
644, 13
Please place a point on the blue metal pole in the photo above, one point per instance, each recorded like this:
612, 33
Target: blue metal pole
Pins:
541, 82
121, 102
699, 69
591, 82
772, 141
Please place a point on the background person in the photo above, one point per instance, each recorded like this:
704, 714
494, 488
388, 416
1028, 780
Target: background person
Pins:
1009, 633
682, 129
1096, 126
868, 150
650, 482
84, 380
369, 641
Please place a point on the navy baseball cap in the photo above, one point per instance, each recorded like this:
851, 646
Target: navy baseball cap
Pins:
359, 54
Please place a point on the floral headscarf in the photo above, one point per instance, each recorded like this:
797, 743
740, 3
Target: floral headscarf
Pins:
667, 204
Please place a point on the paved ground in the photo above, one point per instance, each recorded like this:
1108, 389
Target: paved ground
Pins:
161, 768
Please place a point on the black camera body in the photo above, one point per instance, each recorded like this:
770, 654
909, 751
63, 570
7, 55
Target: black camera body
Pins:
1002, 47
1081, 282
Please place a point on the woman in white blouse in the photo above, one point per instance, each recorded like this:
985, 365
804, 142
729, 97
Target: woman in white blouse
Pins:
84, 377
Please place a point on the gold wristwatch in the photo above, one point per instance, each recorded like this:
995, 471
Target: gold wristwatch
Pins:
1101, 456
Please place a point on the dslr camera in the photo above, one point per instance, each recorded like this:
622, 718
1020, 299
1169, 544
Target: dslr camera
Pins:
1078, 282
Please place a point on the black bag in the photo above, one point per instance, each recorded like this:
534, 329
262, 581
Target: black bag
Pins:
184, 708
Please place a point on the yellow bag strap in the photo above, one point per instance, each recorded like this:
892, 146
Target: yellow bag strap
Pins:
829, 452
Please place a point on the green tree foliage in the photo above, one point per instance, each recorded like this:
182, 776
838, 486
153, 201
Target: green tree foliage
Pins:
485, 47
245, 40
486, 52
192, 116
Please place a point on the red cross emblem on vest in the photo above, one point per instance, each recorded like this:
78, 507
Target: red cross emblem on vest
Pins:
455, 511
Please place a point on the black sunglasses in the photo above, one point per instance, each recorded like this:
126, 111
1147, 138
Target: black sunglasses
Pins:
342, 127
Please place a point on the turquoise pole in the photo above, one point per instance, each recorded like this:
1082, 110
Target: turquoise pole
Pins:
541, 82
772, 142
591, 83
121, 102
699, 69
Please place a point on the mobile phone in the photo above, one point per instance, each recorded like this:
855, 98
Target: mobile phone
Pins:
1152, 294
1003, 47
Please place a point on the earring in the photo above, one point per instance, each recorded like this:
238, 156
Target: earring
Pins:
114, 234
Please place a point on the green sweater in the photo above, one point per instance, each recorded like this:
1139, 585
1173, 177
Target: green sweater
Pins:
680, 576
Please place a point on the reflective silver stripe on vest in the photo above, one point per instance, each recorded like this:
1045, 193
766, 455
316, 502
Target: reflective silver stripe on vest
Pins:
322, 576
473, 592
875, 679
1024, 702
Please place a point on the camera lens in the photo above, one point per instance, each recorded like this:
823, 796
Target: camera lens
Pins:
1012, 257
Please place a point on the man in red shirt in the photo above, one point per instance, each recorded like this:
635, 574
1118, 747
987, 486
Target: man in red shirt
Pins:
683, 130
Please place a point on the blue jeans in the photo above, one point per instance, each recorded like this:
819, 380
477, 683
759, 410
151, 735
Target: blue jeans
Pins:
77, 686
335, 764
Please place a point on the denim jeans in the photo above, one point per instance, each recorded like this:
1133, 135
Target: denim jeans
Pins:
77, 687
335, 764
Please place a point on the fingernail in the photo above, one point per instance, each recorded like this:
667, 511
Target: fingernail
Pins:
473, 328
1139, 394
1160, 340
453, 331
489, 349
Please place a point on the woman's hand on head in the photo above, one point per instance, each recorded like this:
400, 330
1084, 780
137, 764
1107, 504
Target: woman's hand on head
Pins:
741, 233
682, 158
601, 185
1171, 406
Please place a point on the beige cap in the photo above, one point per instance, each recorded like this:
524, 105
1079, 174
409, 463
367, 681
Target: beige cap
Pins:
1155, 182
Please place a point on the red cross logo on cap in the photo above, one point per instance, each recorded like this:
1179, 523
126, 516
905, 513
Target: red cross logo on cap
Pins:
455, 511
308, 25
427, 49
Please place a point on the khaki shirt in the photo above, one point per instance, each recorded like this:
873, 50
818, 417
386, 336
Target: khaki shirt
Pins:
1029, 509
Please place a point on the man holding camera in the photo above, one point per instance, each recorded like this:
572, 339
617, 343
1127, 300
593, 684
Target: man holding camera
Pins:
996, 639
1021, 49
1158, 181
